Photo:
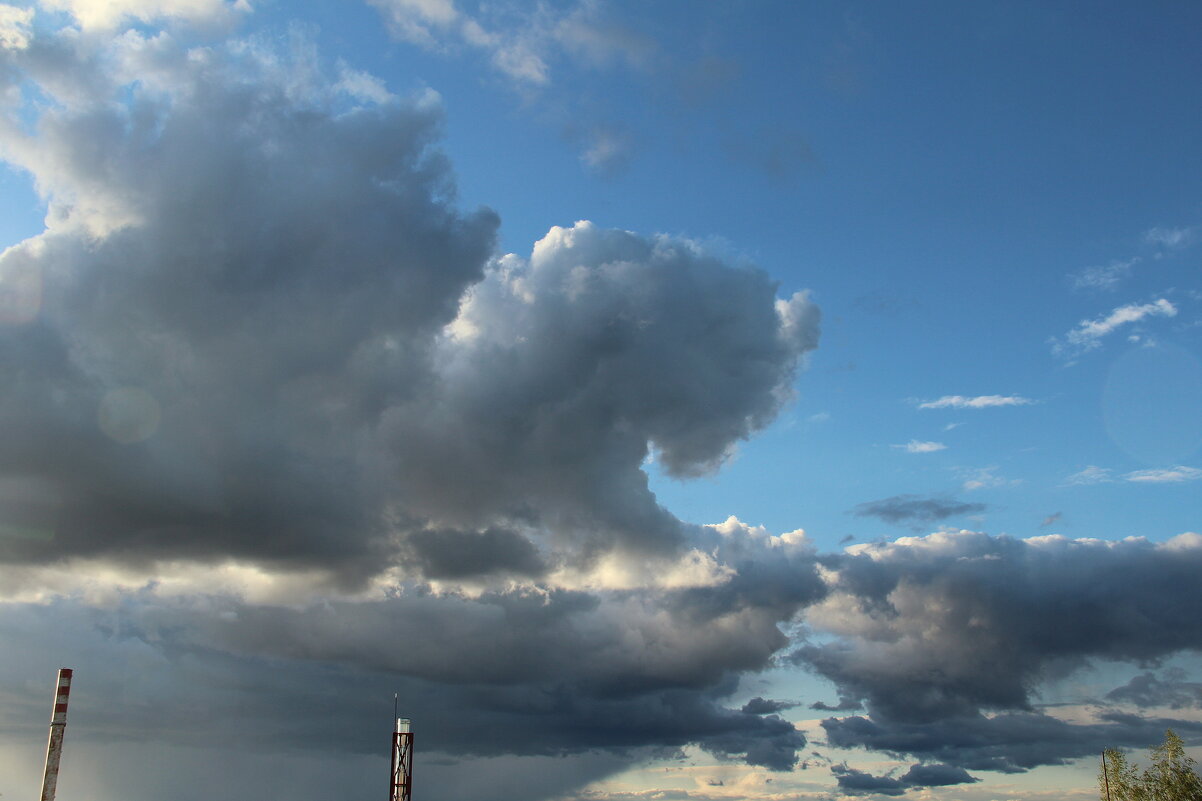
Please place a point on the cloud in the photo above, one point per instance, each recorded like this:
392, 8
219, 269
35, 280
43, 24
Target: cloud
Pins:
1105, 276
106, 15
1170, 238
15, 27
285, 435
1089, 475
1051, 519
284, 428
564, 369
858, 782
844, 705
1012, 742
1161, 475
944, 637
917, 446
764, 706
1089, 333
1166, 475
218, 325
985, 478
521, 43
1147, 690
915, 509
978, 402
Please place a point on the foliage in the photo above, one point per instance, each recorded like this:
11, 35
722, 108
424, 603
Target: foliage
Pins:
1170, 777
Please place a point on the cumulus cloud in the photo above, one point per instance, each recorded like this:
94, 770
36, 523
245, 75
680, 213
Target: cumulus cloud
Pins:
212, 327
915, 509
564, 370
944, 637
1089, 333
273, 399
975, 402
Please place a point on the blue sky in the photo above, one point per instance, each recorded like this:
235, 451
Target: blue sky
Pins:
323, 376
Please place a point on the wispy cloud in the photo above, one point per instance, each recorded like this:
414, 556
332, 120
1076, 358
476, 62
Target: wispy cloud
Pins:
1160, 475
1090, 475
986, 478
1165, 475
1089, 333
1050, 519
521, 45
1105, 276
918, 446
1171, 238
977, 402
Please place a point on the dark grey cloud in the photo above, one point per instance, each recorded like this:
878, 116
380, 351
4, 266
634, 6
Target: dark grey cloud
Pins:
1050, 519
235, 337
766, 706
1149, 690
934, 632
936, 775
240, 274
444, 553
859, 782
1010, 742
844, 705
914, 509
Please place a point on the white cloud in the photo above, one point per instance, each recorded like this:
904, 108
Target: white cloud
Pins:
1170, 238
1104, 276
1088, 333
978, 402
108, 14
14, 27
519, 42
986, 478
1165, 475
1090, 475
918, 446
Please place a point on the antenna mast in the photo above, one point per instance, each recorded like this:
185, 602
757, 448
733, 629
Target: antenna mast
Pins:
58, 725
400, 784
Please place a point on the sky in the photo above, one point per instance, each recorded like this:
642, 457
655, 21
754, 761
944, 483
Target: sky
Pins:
666, 401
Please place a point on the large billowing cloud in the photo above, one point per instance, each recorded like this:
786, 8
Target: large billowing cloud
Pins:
274, 406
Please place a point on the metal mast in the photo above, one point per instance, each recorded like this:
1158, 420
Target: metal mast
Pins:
400, 785
58, 725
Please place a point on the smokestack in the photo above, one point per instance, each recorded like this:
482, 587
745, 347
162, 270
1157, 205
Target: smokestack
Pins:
400, 787
58, 725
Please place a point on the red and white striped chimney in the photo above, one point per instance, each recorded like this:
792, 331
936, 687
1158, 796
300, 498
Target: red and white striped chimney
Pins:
58, 725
